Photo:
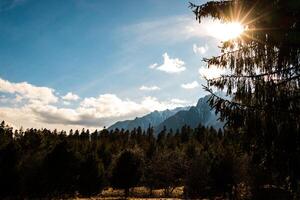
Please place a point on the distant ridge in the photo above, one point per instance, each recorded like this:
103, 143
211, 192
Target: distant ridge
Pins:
153, 119
201, 113
174, 119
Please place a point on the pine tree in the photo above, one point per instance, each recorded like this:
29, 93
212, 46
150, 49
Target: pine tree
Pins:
127, 171
263, 80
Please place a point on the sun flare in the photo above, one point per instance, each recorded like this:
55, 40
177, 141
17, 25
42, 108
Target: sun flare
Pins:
226, 31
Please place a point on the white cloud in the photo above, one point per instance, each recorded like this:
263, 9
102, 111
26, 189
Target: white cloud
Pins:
153, 65
18, 116
211, 72
200, 49
179, 101
70, 97
4, 99
191, 85
26, 91
171, 65
152, 103
109, 105
101, 111
149, 88
67, 103
92, 112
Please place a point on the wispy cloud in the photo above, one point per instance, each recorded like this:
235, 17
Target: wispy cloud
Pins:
67, 103
191, 85
149, 88
152, 66
175, 29
170, 65
70, 97
179, 101
200, 50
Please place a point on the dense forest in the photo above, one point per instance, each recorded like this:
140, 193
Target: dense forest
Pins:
207, 162
41, 163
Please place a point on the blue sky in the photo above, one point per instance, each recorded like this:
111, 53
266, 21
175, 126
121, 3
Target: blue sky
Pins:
88, 63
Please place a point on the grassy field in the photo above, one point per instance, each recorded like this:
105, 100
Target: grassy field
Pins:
143, 192
137, 193
130, 198
140, 193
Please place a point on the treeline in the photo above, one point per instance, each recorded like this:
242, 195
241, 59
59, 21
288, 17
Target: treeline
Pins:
44, 163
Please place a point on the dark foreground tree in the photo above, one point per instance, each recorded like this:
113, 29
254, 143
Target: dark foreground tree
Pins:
8, 171
8, 161
198, 180
127, 171
90, 176
165, 170
263, 83
61, 168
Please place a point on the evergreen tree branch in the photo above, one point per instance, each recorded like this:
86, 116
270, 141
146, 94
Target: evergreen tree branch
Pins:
245, 107
253, 76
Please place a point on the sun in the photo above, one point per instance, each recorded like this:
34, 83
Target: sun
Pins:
233, 30
225, 31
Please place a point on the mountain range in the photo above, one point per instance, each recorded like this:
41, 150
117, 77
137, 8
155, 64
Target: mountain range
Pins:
175, 119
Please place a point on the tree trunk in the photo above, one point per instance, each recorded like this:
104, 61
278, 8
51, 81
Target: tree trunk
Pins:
126, 192
151, 192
